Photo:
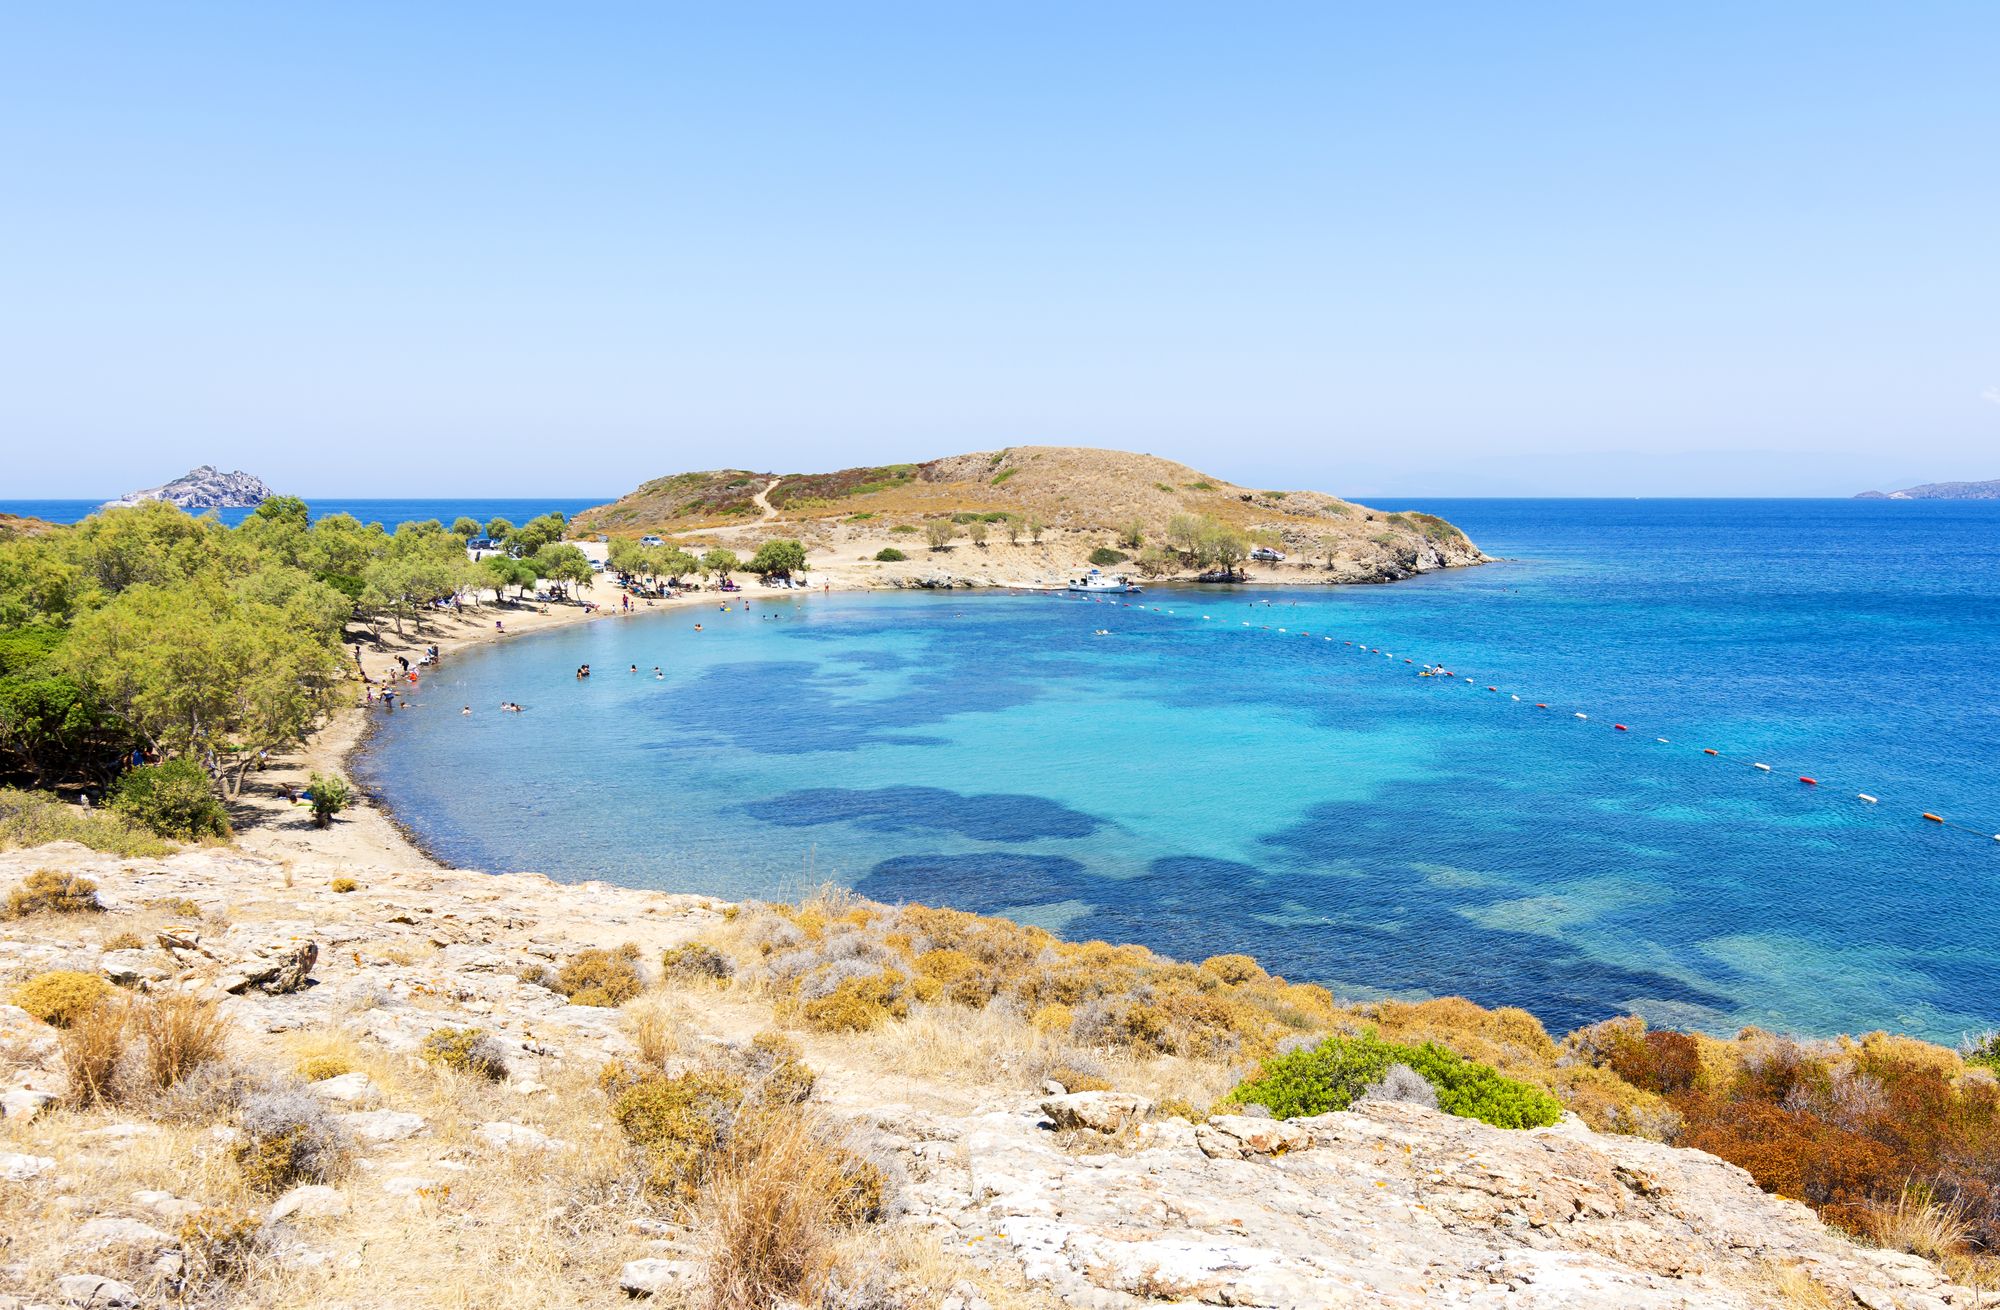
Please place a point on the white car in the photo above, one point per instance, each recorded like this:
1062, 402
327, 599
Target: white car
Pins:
1267, 555
651, 541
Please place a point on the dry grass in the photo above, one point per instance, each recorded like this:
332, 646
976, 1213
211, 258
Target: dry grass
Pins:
51, 891
178, 1034
655, 1023
92, 1051
318, 1053
1920, 1225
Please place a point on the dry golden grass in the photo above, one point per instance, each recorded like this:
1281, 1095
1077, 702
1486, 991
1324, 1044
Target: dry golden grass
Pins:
178, 1034
92, 1048
1921, 1226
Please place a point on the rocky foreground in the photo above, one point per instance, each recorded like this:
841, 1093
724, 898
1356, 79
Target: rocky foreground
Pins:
511, 1183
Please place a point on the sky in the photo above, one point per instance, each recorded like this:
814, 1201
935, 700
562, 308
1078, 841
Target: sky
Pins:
1451, 249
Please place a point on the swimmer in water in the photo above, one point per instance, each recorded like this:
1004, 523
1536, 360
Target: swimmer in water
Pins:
466, 710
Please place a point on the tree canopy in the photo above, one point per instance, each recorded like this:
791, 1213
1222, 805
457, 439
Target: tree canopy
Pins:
778, 559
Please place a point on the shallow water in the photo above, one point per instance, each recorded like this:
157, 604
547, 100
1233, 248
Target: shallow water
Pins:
1204, 786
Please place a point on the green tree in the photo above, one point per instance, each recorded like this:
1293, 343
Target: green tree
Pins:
499, 529
1184, 534
288, 510
173, 798
1132, 535
673, 563
544, 530
199, 672
465, 528
1011, 525
939, 532
330, 795
721, 562
565, 565
504, 571
1035, 528
778, 559
1222, 546
977, 531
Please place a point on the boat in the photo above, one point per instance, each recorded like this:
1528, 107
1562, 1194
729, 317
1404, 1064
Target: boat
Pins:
1096, 581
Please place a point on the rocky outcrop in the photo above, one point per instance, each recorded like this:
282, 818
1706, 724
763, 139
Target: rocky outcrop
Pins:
1088, 1198
201, 489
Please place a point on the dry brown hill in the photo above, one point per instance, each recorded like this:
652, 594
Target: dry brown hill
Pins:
1083, 496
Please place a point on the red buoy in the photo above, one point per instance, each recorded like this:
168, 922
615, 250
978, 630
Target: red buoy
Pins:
1810, 782
1540, 706
1706, 751
1621, 727
1934, 818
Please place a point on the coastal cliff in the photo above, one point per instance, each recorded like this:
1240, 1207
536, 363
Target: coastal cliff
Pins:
199, 489
481, 1087
1030, 515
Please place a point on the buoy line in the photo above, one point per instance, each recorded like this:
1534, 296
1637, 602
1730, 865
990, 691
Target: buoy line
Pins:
1431, 670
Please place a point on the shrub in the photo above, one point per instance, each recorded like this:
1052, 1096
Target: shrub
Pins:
696, 961
1075, 1080
125, 941
330, 795
178, 1033
600, 977
319, 1068
289, 1138
61, 996
32, 818
1104, 556
1340, 1070
680, 1122
467, 1051
904, 530
783, 1076
1402, 1083
346, 885
175, 799
218, 1245
48, 891
857, 1004
890, 555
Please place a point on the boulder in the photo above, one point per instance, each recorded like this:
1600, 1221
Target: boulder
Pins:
504, 1136
127, 968
273, 968
24, 1103
110, 1230
1100, 1112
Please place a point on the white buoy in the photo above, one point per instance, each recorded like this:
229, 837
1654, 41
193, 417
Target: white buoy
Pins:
1765, 767
1866, 797
1662, 740
1581, 715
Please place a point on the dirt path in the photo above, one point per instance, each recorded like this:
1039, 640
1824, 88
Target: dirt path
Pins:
761, 501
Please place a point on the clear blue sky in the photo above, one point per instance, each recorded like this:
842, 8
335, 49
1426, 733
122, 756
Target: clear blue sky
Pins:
1443, 249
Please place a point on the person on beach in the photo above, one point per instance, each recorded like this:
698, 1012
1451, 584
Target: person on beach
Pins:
499, 626
466, 710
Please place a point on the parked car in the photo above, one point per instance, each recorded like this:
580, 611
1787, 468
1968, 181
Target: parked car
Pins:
1267, 555
651, 541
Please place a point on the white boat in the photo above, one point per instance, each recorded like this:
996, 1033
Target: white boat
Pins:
1096, 581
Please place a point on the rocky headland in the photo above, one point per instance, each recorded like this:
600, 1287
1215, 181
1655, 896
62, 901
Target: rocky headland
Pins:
1939, 491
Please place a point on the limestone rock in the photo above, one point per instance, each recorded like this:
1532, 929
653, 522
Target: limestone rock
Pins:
504, 1136
651, 1277
129, 967
1241, 1137
110, 1230
274, 968
314, 1201
347, 1088
18, 1168
24, 1103
378, 1126
1100, 1112
96, 1292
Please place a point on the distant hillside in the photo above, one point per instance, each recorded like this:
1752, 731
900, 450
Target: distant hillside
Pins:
1940, 491
1084, 498
19, 525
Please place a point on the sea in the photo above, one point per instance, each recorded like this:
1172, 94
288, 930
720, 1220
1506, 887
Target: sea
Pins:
1574, 821
389, 513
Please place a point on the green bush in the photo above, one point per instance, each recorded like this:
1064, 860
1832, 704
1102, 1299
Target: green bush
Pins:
31, 818
330, 795
1333, 1075
890, 555
173, 798
467, 1051
1104, 555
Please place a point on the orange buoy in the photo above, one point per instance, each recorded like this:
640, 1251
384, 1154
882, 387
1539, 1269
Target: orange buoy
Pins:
1934, 818
1492, 689
1541, 705
1621, 727
1706, 751
1810, 782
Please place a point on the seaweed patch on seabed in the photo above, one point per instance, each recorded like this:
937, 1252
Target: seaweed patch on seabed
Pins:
1308, 929
996, 817
747, 706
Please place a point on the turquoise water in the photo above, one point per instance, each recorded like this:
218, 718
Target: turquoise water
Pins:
1206, 778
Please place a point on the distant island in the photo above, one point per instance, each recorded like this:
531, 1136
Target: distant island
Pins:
201, 489
1034, 514
1940, 491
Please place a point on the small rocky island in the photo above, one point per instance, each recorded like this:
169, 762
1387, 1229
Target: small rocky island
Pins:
202, 489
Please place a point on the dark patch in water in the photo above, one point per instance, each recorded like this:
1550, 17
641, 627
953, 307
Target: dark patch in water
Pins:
982, 817
982, 883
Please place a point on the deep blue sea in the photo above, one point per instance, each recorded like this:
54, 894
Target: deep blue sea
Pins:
1215, 775
388, 513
